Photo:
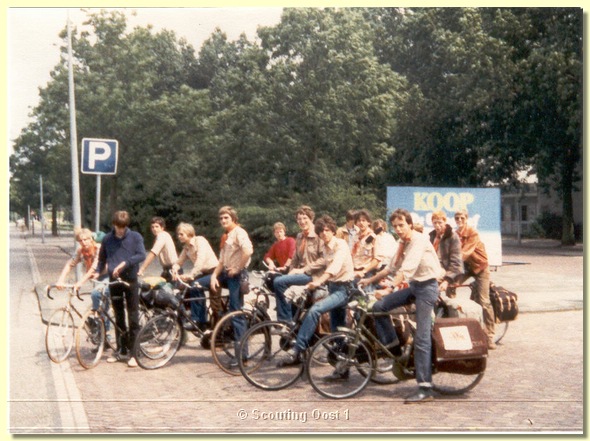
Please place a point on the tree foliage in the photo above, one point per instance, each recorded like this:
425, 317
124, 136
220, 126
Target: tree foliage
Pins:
326, 108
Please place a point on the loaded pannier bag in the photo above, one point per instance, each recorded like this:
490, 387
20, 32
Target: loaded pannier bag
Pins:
504, 303
460, 346
147, 289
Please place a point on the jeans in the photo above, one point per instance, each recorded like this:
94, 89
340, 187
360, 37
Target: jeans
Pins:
280, 284
120, 294
95, 297
425, 294
199, 307
236, 301
335, 303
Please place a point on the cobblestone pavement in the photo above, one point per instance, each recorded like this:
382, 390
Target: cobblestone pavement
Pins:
533, 381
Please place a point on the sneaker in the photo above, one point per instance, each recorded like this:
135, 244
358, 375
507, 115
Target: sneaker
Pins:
113, 359
423, 395
277, 330
337, 375
292, 358
233, 362
491, 344
152, 349
132, 362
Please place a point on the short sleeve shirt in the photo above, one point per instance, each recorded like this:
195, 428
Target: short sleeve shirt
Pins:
165, 250
236, 246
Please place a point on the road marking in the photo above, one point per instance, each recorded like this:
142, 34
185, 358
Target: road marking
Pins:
69, 402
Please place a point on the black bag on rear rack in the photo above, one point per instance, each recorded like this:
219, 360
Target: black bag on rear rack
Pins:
504, 302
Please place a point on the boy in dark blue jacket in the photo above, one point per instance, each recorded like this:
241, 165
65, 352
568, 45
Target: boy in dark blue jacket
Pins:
122, 251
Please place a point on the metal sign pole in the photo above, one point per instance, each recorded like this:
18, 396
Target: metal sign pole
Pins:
98, 185
41, 217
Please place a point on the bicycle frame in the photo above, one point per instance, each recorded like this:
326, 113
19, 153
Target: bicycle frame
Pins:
69, 306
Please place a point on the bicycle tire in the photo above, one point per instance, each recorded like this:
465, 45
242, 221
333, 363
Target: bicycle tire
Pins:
90, 338
224, 344
158, 341
501, 329
262, 348
347, 357
448, 383
60, 335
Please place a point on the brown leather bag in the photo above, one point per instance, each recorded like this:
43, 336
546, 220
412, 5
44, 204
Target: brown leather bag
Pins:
460, 345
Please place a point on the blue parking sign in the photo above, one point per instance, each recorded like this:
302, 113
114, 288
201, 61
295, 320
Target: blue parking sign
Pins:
99, 156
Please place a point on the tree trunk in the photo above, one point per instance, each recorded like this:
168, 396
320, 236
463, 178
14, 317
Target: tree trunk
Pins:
54, 231
567, 186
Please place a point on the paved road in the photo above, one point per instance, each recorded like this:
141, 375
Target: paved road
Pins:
533, 383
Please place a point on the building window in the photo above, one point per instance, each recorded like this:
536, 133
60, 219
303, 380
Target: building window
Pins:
524, 213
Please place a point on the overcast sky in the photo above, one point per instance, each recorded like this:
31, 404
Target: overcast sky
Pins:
33, 42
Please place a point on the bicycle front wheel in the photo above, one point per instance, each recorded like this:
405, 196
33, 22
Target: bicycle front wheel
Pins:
158, 341
348, 370
90, 338
59, 336
224, 341
262, 351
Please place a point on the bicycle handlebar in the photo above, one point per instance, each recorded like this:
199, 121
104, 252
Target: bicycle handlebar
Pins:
118, 281
67, 286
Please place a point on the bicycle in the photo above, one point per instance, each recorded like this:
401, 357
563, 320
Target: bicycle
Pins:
91, 335
501, 326
264, 346
159, 339
353, 353
60, 332
224, 344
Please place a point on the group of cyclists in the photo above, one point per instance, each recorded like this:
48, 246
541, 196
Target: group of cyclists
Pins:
415, 268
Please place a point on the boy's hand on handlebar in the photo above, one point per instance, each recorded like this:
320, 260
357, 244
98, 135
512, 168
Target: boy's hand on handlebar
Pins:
118, 269
184, 277
363, 282
214, 284
312, 286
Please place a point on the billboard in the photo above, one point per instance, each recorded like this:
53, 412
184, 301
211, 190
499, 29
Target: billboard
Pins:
483, 205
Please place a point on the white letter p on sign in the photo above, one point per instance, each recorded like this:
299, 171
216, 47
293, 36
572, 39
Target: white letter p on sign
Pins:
97, 151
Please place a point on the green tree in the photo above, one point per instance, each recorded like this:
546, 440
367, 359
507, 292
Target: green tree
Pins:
548, 121
462, 73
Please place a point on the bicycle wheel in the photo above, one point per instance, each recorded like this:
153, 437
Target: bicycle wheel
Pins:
501, 328
262, 349
59, 336
90, 337
158, 341
224, 343
449, 383
382, 371
348, 370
